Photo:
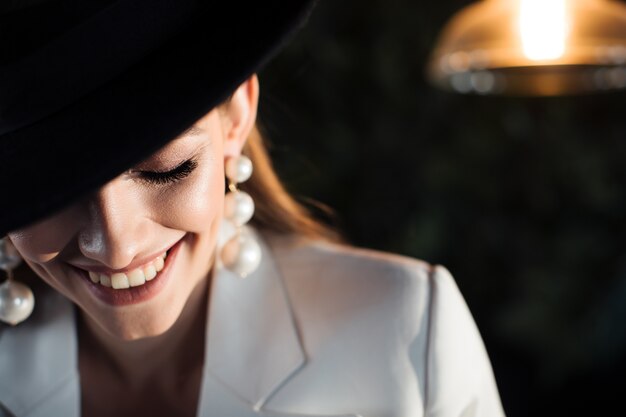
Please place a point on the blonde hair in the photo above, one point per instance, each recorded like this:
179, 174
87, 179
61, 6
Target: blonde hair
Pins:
275, 209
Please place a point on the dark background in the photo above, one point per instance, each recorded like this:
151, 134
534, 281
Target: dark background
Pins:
522, 199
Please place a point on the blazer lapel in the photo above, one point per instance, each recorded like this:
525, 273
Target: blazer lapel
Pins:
252, 344
38, 362
220, 400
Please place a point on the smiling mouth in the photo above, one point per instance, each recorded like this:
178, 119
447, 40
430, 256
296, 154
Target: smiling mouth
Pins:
121, 288
135, 278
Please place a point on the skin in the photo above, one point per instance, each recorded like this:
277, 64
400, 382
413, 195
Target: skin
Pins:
129, 219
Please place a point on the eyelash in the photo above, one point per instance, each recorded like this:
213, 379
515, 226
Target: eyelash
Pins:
179, 173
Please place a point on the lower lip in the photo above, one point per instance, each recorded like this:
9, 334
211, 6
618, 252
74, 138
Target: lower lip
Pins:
139, 294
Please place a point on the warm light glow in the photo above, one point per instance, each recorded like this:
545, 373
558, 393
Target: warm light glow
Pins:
543, 28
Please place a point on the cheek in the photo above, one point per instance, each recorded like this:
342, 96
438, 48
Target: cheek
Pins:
39, 249
42, 241
194, 204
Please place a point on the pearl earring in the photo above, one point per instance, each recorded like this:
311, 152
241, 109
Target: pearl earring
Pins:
16, 299
241, 254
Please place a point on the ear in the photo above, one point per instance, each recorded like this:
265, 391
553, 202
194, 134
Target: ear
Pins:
239, 115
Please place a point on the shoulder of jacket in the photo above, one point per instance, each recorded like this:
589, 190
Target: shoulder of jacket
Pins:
341, 258
343, 272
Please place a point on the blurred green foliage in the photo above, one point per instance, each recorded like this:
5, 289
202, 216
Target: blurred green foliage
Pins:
522, 199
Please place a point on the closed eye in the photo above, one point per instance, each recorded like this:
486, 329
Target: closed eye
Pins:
179, 173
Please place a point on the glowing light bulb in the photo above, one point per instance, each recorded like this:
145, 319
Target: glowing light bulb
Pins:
543, 28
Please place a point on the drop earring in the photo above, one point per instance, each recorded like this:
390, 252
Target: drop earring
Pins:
241, 254
16, 299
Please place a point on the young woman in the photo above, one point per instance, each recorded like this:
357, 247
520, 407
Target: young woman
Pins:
121, 122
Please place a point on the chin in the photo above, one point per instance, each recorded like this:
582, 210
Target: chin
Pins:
130, 334
141, 327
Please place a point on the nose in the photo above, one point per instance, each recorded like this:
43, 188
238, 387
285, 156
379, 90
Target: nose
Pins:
116, 231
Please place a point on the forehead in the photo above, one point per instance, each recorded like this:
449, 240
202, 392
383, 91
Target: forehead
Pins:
193, 130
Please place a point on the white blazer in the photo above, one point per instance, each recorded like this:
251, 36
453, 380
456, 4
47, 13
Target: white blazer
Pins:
318, 330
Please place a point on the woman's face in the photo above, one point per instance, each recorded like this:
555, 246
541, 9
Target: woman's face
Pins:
130, 254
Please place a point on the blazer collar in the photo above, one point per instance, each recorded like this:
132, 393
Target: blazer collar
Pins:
252, 344
38, 360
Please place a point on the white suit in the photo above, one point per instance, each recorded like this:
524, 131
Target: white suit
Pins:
318, 330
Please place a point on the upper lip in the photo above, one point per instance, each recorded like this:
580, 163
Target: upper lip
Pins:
133, 265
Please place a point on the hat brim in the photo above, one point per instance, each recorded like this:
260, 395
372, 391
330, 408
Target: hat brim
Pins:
65, 155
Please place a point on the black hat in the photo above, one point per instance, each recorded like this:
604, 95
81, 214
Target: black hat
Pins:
89, 88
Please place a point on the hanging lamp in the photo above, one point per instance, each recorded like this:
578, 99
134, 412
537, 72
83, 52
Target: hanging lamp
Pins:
533, 48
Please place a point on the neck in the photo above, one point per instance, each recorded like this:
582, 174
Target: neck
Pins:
168, 356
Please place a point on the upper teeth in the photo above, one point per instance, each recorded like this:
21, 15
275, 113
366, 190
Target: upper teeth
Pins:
133, 278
